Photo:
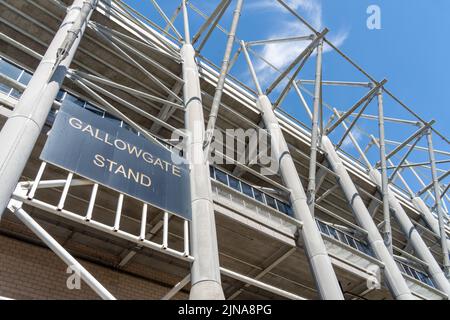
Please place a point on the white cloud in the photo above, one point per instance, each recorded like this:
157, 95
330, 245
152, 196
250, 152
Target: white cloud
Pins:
282, 54
348, 143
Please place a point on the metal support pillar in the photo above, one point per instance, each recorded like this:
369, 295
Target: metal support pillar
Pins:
387, 231
413, 236
205, 272
222, 77
311, 190
430, 220
440, 212
394, 278
319, 261
420, 247
20, 132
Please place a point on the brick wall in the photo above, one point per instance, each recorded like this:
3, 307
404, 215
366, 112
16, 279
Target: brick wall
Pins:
29, 271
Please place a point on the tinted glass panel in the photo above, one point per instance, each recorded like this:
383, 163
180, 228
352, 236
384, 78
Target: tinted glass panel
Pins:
323, 228
415, 275
422, 277
221, 176
16, 94
367, 249
359, 246
282, 207
333, 233
351, 242
258, 195
289, 210
25, 78
234, 183
271, 201
408, 271
9, 70
246, 189
429, 281
341, 236
4, 88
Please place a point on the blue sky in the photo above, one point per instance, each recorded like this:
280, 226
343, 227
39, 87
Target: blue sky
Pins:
410, 50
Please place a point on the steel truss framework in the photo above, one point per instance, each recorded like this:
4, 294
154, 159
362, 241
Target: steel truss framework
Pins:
174, 101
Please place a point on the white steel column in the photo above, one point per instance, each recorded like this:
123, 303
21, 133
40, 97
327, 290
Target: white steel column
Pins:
320, 262
394, 278
408, 228
20, 132
420, 247
205, 270
431, 221
323, 272
438, 203
311, 190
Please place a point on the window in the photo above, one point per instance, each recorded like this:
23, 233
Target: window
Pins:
360, 247
9, 70
333, 232
25, 78
351, 241
427, 280
422, 277
15, 73
4, 88
282, 207
323, 227
271, 202
341, 236
258, 195
15, 94
415, 274
247, 189
408, 271
221, 176
211, 172
289, 210
366, 249
234, 183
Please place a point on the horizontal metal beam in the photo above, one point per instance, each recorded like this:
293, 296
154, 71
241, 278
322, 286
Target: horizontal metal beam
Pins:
260, 284
338, 83
418, 164
280, 40
300, 57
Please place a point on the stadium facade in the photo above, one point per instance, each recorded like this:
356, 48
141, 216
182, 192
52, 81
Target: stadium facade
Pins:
321, 224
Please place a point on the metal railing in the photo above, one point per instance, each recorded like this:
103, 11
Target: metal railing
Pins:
269, 202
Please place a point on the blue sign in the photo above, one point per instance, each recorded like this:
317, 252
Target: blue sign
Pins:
98, 149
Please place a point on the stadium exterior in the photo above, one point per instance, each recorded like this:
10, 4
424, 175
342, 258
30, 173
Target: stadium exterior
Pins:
323, 225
